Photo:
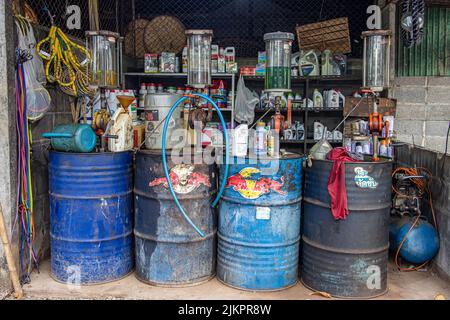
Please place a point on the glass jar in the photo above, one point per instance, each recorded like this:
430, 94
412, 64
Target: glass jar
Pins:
199, 57
278, 65
105, 50
376, 59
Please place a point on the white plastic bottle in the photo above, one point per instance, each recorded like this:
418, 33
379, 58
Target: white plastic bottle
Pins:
333, 99
261, 139
240, 141
318, 99
142, 94
341, 99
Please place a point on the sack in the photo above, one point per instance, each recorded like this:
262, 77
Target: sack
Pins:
37, 96
246, 102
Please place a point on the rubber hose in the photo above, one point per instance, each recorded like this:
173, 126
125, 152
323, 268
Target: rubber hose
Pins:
164, 160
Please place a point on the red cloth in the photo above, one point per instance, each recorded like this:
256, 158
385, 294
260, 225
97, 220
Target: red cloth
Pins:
336, 182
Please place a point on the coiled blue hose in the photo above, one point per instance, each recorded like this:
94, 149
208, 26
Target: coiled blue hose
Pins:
227, 158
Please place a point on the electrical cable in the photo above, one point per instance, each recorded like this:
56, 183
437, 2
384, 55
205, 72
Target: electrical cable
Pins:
24, 188
164, 157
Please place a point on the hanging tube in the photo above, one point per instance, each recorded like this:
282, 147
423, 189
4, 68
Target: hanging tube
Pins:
227, 157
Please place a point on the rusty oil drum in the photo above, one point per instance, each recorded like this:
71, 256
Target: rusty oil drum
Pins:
169, 252
347, 258
259, 224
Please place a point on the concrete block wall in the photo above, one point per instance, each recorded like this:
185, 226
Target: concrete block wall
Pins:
423, 110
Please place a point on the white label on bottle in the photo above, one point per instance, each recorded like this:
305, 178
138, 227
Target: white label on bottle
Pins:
262, 213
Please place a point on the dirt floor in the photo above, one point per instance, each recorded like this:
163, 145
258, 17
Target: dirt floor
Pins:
414, 285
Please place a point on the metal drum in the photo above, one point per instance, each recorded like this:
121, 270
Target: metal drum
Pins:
91, 216
157, 107
347, 258
169, 252
259, 224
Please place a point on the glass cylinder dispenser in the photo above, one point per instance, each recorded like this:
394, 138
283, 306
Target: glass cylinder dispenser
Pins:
104, 67
199, 58
377, 44
278, 65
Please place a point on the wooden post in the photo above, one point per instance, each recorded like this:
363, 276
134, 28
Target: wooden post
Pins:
9, 258
94, 22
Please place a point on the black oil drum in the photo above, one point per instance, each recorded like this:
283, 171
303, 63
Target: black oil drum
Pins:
347, 258
169, 252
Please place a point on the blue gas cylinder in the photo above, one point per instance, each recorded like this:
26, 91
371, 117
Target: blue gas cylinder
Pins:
422, 243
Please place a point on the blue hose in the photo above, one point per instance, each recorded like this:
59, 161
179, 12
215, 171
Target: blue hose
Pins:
227, 158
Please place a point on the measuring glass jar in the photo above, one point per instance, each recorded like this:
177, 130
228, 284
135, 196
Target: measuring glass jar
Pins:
199, 58
278, 65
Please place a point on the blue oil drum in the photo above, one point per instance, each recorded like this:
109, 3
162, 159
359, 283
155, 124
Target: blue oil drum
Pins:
169, 252
91, 205
347, 258
259, 224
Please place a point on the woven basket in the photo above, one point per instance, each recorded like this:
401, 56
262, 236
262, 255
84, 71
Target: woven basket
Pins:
332, 34
164, 34
134, 38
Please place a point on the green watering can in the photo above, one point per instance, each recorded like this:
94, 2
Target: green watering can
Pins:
79, 138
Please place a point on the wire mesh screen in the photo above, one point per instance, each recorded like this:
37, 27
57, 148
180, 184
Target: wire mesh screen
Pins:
46, 10
243, 23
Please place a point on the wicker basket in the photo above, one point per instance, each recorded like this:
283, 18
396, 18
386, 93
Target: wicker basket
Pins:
332, 34
134, 38
164, 34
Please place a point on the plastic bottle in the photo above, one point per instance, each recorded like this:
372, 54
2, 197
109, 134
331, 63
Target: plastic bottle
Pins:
142, 94
184, 59
341, 99
261, 139
240, 140
151, 88
333, 99
318, 99
180, 91
383, 148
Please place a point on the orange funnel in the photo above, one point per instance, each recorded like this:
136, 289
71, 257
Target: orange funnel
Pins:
125, 101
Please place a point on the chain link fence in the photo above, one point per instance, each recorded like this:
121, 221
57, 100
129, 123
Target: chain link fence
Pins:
243, 23
47, 10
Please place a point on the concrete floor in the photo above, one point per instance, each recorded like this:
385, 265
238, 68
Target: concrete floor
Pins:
413, 285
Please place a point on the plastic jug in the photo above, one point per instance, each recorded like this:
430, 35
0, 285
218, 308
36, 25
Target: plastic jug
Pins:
318, 99
309, 64
333, 99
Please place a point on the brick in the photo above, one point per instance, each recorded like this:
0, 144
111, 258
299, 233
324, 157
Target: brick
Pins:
409, 127
411, 139
438, 95
410, 81
410, 94
435, 143
439, 81
437, 112
410, 111
436, 128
